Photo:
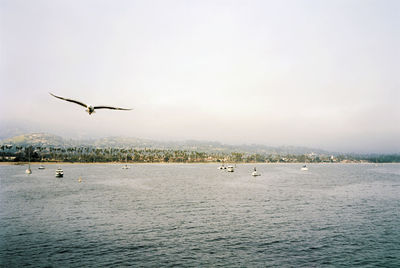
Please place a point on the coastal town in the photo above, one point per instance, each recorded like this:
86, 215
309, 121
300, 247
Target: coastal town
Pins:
40, 147
12, 153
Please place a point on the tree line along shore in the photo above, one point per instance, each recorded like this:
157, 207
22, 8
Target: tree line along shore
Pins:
11, 153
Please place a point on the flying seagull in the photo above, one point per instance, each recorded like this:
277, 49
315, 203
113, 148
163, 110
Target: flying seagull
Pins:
89, 108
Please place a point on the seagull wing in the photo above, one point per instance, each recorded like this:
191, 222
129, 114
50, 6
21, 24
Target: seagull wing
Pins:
74, 101
110, 107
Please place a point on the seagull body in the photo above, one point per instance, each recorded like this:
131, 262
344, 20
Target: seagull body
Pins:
89, 108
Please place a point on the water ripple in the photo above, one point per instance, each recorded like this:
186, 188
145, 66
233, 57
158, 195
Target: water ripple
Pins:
197, 216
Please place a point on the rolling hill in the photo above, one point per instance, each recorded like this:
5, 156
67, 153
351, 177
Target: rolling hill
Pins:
49, 140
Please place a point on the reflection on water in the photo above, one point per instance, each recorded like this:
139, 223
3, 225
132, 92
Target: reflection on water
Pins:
196, 215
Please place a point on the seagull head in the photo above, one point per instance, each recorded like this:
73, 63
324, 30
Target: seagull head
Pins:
90, 109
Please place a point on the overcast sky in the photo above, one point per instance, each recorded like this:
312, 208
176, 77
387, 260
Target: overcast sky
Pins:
312, 73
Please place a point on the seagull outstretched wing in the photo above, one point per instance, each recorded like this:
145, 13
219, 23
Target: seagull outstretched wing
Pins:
74, 101
110, 107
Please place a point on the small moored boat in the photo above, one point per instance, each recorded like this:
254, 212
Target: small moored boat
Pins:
28, 170
126, 163
59, 173
255, 173
304, 167
125, 167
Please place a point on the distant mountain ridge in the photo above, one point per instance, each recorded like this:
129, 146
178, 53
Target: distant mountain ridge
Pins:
49, 140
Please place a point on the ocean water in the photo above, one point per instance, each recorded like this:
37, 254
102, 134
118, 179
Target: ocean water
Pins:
184, 215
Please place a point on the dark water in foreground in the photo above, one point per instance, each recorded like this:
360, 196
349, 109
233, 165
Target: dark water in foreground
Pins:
195, 215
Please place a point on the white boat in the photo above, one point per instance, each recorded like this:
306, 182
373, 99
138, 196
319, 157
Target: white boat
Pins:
304, 168
230, 169
255, 173
28, 170
41, 167
59, 173
222, 167
126, 162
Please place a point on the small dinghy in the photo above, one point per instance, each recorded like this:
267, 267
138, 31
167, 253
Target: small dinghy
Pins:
59, 173
125, 167
304, 168
28, 170
255, 173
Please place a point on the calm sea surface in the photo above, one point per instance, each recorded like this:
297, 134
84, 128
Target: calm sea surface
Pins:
198, 216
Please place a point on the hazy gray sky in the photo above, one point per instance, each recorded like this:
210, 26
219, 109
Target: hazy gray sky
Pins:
313, 73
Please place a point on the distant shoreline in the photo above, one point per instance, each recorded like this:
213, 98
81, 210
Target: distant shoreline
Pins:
180, 163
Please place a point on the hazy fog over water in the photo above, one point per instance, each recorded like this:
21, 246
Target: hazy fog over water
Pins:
310, 73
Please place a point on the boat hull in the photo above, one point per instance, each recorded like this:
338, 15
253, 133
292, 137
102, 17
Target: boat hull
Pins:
59, 173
